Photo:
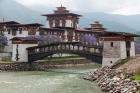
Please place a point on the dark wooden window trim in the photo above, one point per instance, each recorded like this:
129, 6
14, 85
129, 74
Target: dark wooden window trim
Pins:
9, 31
112, 44
20, 30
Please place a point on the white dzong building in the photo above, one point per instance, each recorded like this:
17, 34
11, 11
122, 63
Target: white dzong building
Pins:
64, 24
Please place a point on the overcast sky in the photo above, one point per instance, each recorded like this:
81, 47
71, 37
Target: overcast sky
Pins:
123, 7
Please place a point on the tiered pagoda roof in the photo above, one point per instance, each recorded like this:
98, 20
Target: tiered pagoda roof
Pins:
61, 11
96, 27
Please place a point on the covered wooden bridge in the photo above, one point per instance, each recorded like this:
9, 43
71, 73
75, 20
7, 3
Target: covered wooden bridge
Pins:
92, 52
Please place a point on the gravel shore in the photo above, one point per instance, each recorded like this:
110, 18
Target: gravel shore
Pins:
113, 81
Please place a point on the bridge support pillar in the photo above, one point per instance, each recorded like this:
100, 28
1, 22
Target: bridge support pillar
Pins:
113, 51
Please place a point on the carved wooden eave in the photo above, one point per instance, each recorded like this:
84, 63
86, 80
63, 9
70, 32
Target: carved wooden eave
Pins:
52, 29
61, 11
9, 23
24, 40
117, 36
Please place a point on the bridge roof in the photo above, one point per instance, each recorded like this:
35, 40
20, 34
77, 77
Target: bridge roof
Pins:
57, 43
43, 38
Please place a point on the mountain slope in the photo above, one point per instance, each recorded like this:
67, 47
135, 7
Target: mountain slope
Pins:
11, 10
110, 21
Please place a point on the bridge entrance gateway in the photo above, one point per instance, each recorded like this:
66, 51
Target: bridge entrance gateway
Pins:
92, 52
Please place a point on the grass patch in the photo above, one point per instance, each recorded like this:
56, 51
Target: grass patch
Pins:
121, 62
62, 58
5, 60
136, 77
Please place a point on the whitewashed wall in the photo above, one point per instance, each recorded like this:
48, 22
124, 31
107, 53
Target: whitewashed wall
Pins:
68, 23
107, 61
66, 34
53, 23
23, 34
74, 37
123, 50
113, 54
23, 55
132, 50
60, 23
47, 24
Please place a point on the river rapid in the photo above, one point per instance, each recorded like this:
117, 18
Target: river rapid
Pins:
68, 80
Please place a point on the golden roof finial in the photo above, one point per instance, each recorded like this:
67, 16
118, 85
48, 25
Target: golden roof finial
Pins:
96, 22
61, 3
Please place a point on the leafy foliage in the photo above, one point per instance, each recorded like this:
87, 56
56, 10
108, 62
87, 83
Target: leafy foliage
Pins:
3, 40
88, 39
47, 39
136, 77
137, 47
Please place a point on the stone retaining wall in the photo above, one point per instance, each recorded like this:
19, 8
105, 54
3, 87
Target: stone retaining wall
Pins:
41, 66
113, 81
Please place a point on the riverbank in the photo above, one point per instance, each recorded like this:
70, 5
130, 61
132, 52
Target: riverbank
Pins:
43, 66
113, 81
131, 66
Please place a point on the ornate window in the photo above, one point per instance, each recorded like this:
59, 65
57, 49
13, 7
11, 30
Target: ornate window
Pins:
8, 31
63, 23
14, 30
20, 30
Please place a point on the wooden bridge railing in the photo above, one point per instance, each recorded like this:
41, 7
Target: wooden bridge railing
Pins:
71, 47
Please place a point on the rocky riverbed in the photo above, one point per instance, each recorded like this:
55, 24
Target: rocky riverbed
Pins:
113, 81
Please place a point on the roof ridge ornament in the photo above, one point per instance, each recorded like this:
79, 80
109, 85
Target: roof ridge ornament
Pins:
61, 3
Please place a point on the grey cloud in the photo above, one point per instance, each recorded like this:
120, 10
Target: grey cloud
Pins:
87, 5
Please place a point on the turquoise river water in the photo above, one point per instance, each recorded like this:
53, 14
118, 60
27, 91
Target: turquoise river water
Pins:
52, 81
